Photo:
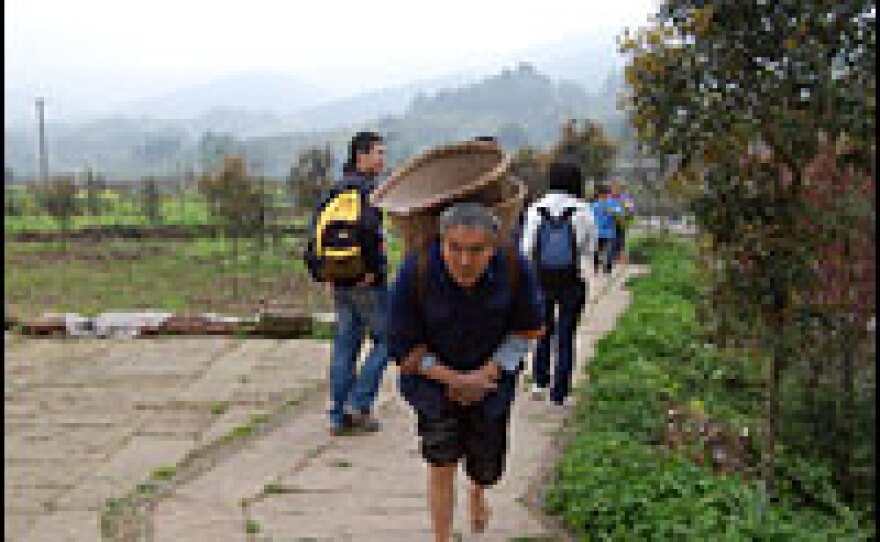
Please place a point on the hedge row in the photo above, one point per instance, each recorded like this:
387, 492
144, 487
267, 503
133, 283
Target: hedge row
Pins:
615, 482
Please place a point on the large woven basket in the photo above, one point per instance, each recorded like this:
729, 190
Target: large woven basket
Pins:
418, 229
416, 193
444, 174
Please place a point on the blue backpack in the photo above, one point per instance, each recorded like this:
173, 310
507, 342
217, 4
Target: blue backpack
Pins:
555, 257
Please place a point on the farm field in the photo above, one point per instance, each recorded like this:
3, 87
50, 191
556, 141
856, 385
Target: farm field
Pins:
117, 207
176, 276
194, 276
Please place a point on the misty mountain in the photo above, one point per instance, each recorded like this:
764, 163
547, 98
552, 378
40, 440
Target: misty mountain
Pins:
254, 92
376, 103
520, 105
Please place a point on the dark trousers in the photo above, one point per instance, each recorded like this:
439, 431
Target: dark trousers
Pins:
570, 301
604, 255
618, 244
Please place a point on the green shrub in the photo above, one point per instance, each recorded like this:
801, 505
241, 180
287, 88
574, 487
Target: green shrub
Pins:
614, 483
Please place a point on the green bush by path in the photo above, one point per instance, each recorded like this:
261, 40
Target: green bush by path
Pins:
615, 483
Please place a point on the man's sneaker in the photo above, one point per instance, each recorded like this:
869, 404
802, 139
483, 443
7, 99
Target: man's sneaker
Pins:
365, 422
346, 428
538, 392
567, 402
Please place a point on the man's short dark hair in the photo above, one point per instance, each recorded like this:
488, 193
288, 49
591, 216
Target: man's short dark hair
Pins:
361, 143
602, 189
565, 176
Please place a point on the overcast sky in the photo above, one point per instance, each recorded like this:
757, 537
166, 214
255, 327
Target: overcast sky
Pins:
375, 39
156, 45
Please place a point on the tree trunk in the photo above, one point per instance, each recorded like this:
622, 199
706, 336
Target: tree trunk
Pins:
846, 442
234, 265
810, 391
769, 474
773, 386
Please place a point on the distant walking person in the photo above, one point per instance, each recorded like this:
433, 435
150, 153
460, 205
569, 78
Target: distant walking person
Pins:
463, 315
559, 234
604, 210
623, 220
347, 251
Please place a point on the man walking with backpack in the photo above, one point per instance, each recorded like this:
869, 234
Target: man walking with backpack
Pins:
346, 250
559, 233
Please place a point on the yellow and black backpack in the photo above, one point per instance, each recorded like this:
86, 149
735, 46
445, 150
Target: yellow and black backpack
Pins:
335, 252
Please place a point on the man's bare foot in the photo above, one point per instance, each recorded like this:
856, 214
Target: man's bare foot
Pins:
479, 509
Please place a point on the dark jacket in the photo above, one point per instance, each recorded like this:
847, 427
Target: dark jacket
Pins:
462, 328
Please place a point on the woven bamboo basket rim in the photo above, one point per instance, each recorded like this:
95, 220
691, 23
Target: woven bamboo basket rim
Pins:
460, 148
418, 228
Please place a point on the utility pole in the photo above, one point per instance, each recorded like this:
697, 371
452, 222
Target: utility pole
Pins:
44, 161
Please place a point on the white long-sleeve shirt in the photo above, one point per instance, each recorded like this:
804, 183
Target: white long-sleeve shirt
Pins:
585, 229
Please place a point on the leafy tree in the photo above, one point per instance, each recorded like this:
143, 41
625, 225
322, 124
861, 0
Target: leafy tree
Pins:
94, 185
212, 148
58, 199
528, 165
12, 204
587, 144
311, 176
748, 94
151, 200
238, 202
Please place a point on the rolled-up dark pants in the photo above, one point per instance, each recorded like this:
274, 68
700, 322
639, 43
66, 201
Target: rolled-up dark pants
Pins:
465, 432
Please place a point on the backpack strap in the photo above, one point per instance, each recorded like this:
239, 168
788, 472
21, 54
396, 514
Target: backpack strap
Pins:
536, 246
512, 265
421, 277
567, 213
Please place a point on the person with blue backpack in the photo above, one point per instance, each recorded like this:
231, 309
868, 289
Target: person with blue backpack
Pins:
559, 232
606, 209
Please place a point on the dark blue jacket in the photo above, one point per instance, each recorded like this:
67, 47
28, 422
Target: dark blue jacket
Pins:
373, 237
604, 213
462, 328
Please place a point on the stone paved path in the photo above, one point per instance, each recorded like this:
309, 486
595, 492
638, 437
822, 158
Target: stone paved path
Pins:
89, 419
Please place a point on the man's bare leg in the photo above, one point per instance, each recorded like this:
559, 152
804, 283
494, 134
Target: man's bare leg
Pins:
479, 508
441, 492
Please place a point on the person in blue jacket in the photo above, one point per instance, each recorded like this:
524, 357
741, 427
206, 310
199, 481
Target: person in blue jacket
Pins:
605, 209
462, 316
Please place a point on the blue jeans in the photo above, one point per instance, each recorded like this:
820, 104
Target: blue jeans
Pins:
358, 310
570, 300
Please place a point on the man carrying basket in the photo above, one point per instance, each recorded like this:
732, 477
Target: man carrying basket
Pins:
462, 316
